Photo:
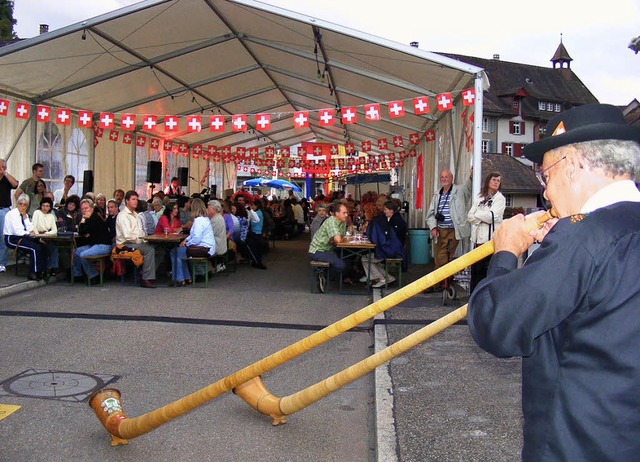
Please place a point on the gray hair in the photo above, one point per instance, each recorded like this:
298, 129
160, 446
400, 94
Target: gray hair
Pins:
217, 206
157, 201
321, 205
88, 201
23, 198
615, 157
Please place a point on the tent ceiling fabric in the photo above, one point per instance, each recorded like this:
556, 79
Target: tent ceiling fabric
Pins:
229, 57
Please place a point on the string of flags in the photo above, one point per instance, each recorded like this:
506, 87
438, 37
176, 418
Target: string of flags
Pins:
217, 123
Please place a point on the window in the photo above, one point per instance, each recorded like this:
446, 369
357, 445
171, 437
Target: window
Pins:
541, 105
516, 103
77, 157
550, 107
486, 145
517, 150
487, 125
508, 200
507, 148
557, 107
516, 128
59, 161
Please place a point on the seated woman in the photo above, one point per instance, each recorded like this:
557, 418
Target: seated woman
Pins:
39, 190
94, 238
19, 234
69, 215
381, 233
44, 222
200, 242
170, 220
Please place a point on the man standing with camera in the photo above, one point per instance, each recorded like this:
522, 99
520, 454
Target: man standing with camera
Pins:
447, 218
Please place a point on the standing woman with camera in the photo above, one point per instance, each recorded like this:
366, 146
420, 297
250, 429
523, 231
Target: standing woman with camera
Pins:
484, 217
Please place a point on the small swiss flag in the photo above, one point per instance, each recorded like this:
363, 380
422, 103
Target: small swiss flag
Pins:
239, 123
263, 122
326, 117
396, 109
383, 143
84, 118
398, 142
63, 116
216, 123
366, 146
154, 143
371, 112
414, 138
285, 152
149, 122
468, 97
183, 148
127, 138
196, 150
43, 114
167, 145
430, 135
301, 119
194, 123
445, 102
171, 124
113, 135
22, 111
349, 148
4, 107
141, 141
107, 121
128, 122
421, 105
349, 115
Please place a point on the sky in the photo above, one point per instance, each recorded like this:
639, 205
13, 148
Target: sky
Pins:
597, 37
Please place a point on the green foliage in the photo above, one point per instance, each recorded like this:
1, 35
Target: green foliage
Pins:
7, 22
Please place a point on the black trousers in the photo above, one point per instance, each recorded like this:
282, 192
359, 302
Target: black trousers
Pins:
37, 250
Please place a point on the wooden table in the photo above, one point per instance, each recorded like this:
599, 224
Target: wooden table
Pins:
65, 241
356, 247
170, 241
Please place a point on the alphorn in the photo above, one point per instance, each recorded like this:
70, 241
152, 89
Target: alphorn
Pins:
107, 403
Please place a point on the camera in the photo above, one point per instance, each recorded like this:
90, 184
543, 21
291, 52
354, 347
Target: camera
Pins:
439, 217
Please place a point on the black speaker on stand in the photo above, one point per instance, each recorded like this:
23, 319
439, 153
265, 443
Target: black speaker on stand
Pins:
213, 189
154, 173
183, 176
87, 182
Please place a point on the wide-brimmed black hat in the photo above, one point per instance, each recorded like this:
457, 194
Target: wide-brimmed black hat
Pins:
583, 123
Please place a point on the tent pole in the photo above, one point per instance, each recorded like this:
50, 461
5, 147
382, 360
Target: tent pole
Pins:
24, 128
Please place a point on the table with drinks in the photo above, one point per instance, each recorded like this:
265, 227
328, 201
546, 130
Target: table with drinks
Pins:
356, 244
169, 240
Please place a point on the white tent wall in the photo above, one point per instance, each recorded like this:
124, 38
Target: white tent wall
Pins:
114, 166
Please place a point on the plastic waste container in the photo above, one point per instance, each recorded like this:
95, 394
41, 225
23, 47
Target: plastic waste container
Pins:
419, 246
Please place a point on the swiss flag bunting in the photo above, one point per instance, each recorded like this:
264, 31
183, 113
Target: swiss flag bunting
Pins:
239, 123
371, 112
141, 141
113, 135
149, 122
326, 117
414, 138
22, 111
430, 135
4, 107
216, 123
183, 148
154, 143
171, 123
263, 122
398, 142
468, 97
396, 109
167, 145
349, 115
194, 123
445, 101
301, 119
383, 143
107, 121
63, 116
127, 138
43, 114
421, 105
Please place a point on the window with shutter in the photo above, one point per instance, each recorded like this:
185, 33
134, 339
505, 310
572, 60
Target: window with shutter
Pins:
517, 150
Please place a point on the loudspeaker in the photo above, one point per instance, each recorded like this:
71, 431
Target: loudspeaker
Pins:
87, 182
213, 190
154, 171
183, 176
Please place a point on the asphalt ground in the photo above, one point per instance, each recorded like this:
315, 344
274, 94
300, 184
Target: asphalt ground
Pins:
443, 400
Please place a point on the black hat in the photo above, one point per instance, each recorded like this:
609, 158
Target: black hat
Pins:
583, 123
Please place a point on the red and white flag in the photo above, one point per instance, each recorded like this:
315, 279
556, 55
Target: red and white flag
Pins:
263, 122
183, 148
141, 141
326, 117
43, 114
127, 138
167, 145
468, 97
398, 142
171, 123
22, 110
430, 135
239, 123
196, 150
63, 116
349, 115
194, 123
154, 143
216, 123
445, 102
149, 122
366, 146
285, 152
113, 135
128, 122
349, 149
301, 119
4, 107
396, 109
84, 118
414, 138
421, 105
107, 121
383, 143
371, 112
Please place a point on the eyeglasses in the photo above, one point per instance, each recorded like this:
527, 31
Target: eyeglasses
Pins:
540, 175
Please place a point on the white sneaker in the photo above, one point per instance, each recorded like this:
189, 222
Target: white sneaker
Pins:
380, 283
220, 267
363, 279
2, 269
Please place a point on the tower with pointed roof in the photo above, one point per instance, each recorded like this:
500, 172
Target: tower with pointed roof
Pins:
561, 56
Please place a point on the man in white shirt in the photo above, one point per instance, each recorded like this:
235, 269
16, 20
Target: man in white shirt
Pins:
129, 233
60, 195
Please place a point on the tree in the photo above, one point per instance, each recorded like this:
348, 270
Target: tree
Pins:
7, 21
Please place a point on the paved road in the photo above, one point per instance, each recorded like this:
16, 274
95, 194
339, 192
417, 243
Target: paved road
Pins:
443, 400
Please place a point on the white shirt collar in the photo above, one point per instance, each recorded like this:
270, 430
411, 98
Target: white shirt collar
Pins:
618, 191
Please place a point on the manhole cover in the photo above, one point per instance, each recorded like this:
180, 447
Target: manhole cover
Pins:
59, 385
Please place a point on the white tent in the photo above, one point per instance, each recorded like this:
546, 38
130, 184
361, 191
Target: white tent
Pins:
218, 57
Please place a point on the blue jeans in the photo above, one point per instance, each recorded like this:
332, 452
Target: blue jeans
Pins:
179, 264
332, 258
4, 252
53, 256
80, 265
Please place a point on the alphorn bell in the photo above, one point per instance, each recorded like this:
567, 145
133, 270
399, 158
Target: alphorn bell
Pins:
107, 405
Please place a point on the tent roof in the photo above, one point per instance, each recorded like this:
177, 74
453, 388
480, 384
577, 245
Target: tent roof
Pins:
170, 57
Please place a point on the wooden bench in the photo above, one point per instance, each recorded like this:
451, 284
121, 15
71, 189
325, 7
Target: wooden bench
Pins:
393, 265
100, 260
199, 262
320, 269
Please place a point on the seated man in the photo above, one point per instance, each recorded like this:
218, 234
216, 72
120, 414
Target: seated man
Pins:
93, 239
214, 212
332, 231
128, 233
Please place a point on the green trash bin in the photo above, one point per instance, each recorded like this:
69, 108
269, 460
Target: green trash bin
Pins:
419, 246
